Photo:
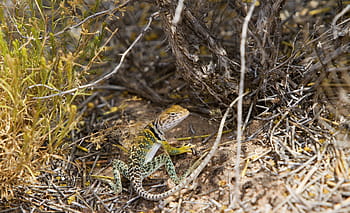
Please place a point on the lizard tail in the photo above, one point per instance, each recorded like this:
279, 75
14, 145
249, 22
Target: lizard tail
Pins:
154, 197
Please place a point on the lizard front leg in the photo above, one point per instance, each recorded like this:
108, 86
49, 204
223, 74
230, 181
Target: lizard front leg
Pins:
171, 150
157, 162
119, 167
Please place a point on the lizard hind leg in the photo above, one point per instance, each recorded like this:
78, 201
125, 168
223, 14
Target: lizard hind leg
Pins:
119, 168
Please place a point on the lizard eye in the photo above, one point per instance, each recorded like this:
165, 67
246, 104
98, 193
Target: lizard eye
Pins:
172, 114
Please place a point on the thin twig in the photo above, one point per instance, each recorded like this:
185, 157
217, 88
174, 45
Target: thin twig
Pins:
178, 11
336, 33
88, 18
235, 196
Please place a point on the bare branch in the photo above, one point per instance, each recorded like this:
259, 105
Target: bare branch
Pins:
236, 194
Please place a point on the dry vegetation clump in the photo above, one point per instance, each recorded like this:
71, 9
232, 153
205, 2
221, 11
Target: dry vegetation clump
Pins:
296, 118
37, 59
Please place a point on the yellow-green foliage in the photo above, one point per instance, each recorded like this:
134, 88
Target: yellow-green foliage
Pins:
32, 130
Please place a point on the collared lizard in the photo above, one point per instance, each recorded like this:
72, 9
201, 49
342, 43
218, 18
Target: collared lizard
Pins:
137, 170
146, 146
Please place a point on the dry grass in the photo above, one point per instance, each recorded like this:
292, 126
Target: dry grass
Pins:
33, 131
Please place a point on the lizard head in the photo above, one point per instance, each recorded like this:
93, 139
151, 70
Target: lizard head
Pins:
171, 117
